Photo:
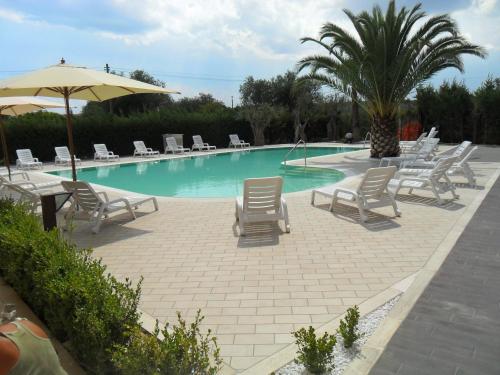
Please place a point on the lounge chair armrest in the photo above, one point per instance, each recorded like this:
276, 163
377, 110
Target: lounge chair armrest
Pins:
120, 200
36, 160
415, 179
345, 191
105, 196
28, 183
149, 149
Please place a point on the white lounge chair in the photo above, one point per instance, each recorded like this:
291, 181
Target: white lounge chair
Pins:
261, 202
22, 174
28, 185
102, 153
459, 151
413, 144
173, 147
235, 141
142, 150
29, 197
462, 168
434, 179
424, 153
25, 160
371, 193
63, 156
200, 145
97, 204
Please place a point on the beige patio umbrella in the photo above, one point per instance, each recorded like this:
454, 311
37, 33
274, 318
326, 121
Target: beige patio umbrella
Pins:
74, 82
17, 106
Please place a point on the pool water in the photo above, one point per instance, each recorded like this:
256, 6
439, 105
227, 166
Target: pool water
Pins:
215, 175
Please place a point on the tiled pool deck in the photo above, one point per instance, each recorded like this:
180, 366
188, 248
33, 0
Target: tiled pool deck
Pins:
255, 290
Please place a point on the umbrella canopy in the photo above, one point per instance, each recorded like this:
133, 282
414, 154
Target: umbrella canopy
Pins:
18, 106
75, 82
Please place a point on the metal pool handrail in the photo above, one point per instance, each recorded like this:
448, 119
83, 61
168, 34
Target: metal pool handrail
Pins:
367, 136
293, 148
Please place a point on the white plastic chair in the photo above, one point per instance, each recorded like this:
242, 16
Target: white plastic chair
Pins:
200, 145
97, 205
63, 156
102, 153
29, 197
462, 168
173, 147
142, 150
435, 180
25, 160
424, 153
261, 202
459, 151
28, 185
235, 141
371, 193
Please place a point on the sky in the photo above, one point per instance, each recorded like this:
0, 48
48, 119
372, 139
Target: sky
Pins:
207, 46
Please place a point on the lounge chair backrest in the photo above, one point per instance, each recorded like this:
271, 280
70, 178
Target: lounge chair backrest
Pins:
234, 138
101, 149
262, 195
441, 167
140, 146
427, 148
172, 143
460, 151
375, 181
420, 138
62, 152
197, 140
432, 133
84, 195
25, 156
466, 156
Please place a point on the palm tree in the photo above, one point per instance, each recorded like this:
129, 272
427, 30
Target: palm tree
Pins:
386, 59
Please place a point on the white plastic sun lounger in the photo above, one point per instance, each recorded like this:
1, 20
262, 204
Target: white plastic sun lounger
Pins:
63, 156
29, 197
200, 145
435, 180
142, 150
97, 205
459, 151
102, 153
25, 160
462, 168
235, 141
371, 193
28, 185
261, 202
23, 174
173, 147
425, 153
415, 145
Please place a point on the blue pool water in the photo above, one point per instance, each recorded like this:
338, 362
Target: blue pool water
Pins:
219, 175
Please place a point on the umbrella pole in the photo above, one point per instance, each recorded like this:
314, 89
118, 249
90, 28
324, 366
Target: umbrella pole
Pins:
69, 126
4, 147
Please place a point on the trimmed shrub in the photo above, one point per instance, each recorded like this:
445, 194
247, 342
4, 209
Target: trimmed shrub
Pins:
348, 328
315, 353
69, 290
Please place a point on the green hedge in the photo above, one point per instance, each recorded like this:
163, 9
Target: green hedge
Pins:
43, 131
70, 291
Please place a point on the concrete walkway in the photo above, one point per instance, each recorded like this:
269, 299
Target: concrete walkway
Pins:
454, 328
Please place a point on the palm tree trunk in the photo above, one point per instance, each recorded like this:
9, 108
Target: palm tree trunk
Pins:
258, 135
356, 132
384, 137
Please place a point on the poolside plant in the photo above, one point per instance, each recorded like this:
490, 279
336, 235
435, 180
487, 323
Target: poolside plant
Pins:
182, 350
315, 353
348, 328
386, 58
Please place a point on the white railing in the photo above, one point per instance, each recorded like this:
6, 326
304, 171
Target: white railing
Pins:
293, 148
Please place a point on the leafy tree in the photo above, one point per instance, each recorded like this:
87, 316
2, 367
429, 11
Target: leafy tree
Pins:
386, 59
260, 118
487, 100
201, 103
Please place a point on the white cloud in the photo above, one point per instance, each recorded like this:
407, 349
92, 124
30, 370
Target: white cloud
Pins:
12, 16
480, 23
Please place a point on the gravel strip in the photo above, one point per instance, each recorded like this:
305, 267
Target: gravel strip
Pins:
367, 325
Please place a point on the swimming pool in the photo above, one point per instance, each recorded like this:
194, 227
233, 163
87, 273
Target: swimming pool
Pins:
212, 175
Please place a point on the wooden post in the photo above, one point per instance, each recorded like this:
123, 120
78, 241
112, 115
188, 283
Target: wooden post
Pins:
69, 126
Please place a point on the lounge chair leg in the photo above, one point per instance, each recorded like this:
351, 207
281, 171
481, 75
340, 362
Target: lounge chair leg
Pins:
312, 197
155, 203
285, 215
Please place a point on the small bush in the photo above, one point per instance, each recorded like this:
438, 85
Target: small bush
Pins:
348, 328
184, 350
316, 354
